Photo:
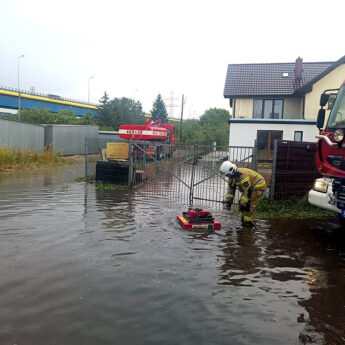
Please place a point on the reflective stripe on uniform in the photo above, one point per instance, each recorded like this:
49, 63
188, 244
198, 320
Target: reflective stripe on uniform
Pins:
244, 180
244, 198
260, 184
248, 219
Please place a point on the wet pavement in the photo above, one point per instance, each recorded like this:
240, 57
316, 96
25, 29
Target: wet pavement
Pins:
87, 266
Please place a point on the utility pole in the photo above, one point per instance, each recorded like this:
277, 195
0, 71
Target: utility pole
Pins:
181, 118
171, 104
19, 57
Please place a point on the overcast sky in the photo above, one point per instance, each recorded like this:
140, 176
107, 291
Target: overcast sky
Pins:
139, 48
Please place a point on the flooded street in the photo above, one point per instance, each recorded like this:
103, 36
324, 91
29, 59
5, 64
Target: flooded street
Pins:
86, 266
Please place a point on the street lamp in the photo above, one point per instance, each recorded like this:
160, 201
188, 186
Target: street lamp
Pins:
88, 89
19, 57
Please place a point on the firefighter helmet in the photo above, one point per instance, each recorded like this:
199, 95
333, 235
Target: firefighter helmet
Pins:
228, 168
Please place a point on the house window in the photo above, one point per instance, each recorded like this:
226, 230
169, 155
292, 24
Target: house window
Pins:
298, 136
268, 109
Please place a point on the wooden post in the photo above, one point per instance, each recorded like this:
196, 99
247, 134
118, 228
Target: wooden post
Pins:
274, 167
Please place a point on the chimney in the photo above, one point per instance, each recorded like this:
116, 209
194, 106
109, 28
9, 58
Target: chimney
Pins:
298, 72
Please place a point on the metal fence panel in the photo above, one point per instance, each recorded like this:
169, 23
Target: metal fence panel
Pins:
192, 174
70, 139
189, 173
21, 135
294, 169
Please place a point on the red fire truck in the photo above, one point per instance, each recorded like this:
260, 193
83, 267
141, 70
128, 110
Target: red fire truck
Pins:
329, 190
159, 137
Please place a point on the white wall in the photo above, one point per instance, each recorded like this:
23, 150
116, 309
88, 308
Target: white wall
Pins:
244, 134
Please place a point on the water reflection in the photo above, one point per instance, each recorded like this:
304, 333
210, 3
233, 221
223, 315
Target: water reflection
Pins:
87, 266
241, 257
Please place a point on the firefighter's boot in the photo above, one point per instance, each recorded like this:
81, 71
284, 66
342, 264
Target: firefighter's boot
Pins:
248, 216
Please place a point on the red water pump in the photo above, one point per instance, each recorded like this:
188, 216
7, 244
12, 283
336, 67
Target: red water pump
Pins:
198, 219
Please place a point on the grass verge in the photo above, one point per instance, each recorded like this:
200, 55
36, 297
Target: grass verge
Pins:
104, 186
290, 209
16, 160
299, 209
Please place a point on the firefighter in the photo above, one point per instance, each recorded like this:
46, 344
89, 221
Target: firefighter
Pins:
250, 183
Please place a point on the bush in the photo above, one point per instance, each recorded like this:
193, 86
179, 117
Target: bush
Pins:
16, 159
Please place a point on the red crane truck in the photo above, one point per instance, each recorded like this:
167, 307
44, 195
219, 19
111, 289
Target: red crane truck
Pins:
329, 190
160, 137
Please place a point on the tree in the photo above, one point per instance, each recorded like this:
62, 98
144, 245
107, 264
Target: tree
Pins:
212, 126
104, 100
45, 116
121, 111
87, 119
215, 122
215, 115
103, 111
159, 111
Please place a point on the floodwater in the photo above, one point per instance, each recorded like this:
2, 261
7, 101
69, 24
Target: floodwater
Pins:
87, 266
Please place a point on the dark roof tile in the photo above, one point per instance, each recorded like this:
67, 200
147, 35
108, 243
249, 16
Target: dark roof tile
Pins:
268, 79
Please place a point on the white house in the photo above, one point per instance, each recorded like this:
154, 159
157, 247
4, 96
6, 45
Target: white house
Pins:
278, 100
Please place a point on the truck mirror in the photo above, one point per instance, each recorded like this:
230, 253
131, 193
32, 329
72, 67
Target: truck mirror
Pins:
324, 99
320, 118
331, 101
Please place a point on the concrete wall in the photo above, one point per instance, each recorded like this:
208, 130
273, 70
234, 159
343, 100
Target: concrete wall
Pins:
332, 80
244, 133
21, 135
70, 139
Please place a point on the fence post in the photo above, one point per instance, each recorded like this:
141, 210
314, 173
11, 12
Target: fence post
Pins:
86, 160
191, 190
274, 168
255, 163
130, 164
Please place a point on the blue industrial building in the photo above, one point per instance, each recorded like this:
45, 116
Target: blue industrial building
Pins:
9, 99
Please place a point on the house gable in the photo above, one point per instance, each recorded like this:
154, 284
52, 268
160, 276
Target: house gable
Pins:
297, 85
331, 80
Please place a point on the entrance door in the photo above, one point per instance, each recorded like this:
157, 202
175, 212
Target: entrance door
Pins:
265, 140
